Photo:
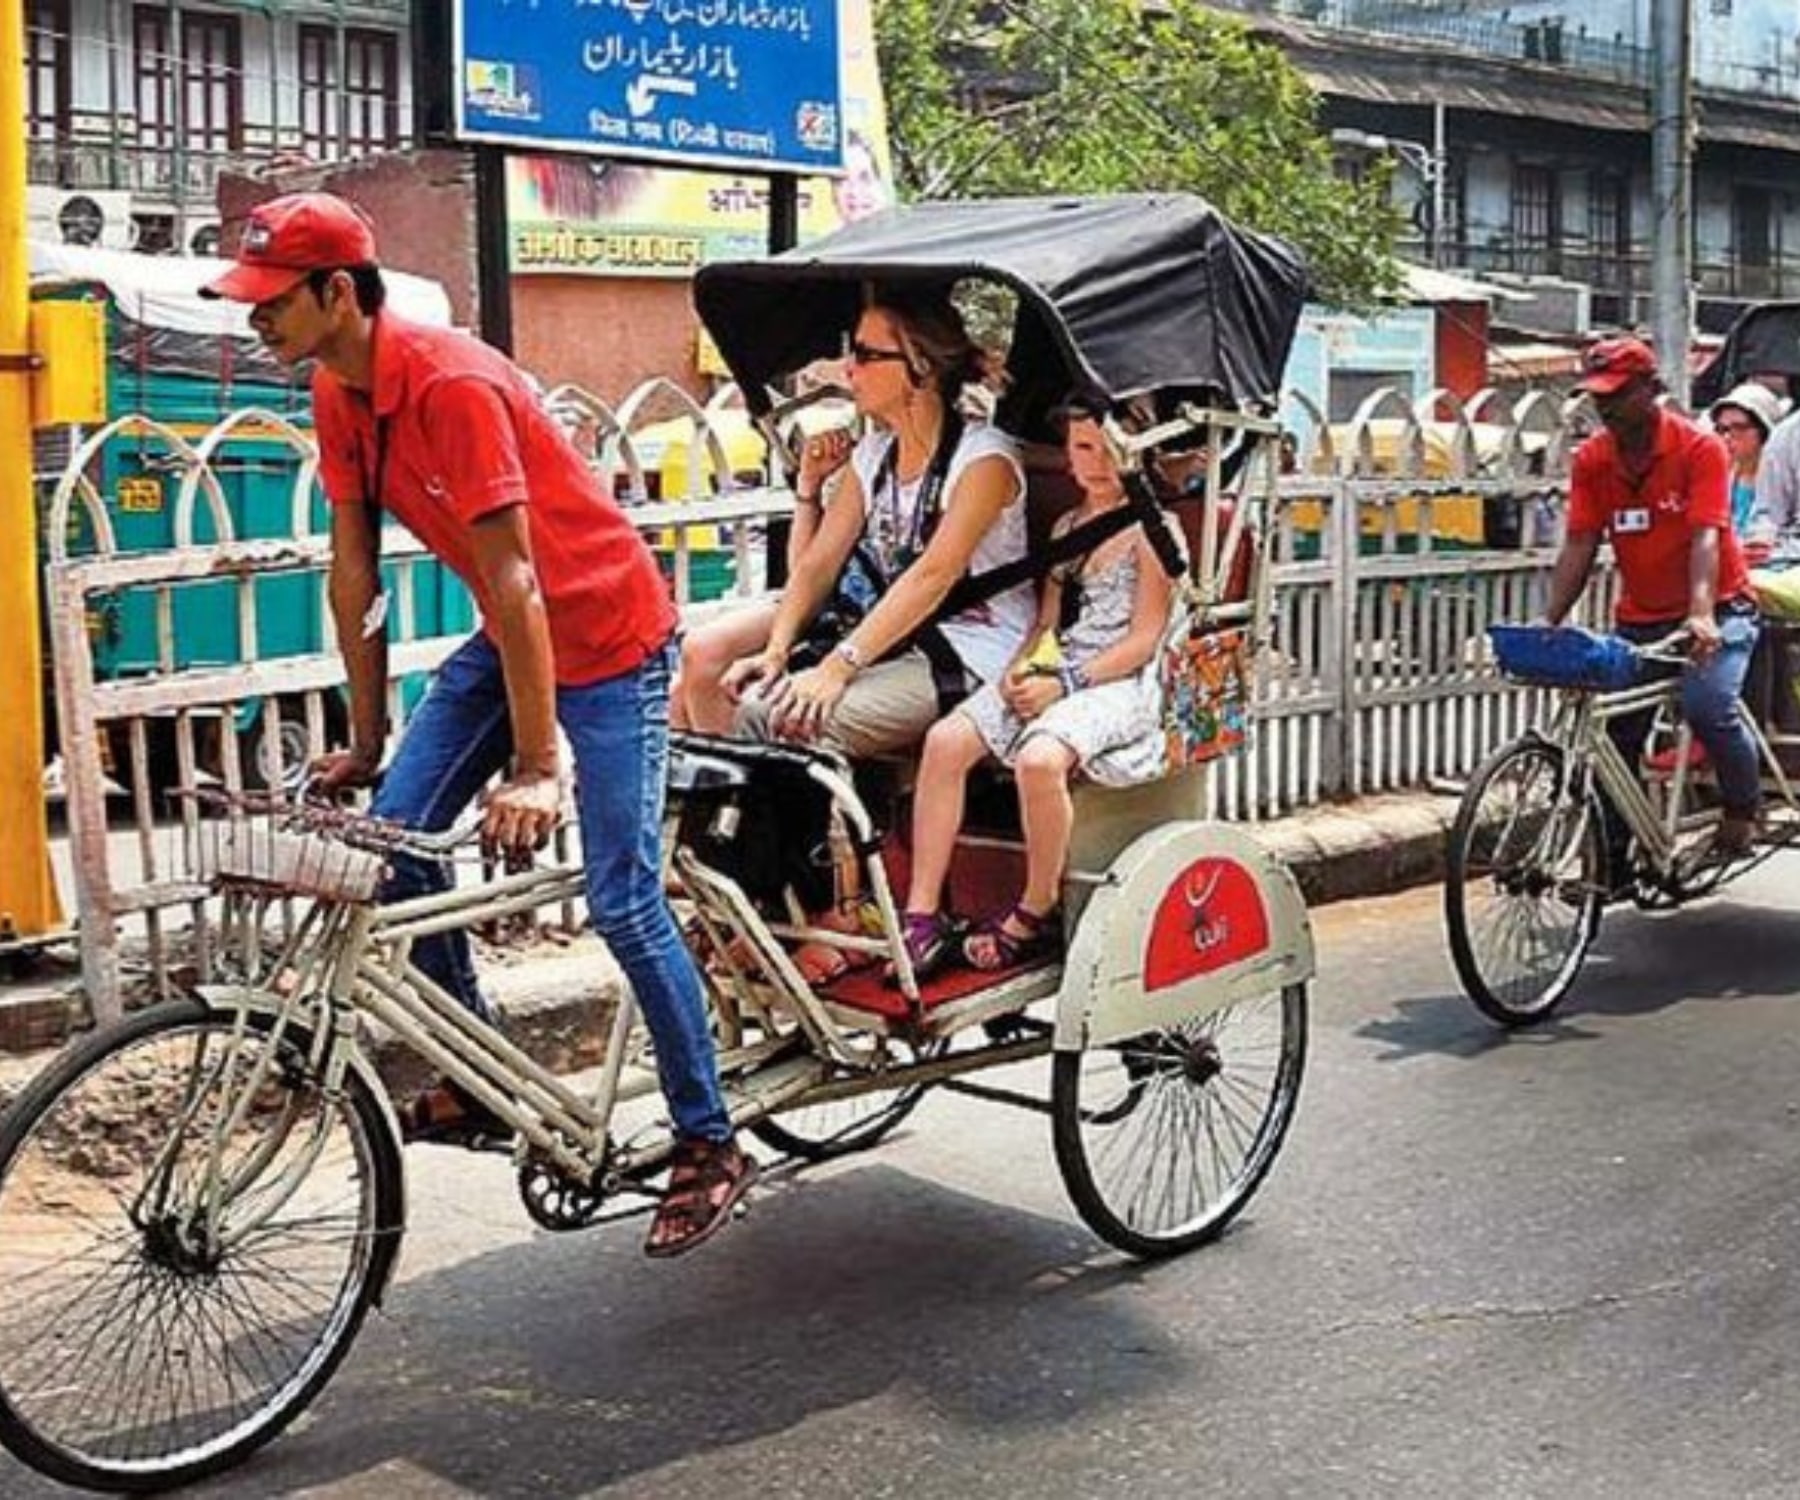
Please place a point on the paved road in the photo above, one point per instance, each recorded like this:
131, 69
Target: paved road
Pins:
1552, 1264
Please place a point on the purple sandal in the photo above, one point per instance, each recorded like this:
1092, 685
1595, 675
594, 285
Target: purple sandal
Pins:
933, 939
1039, 935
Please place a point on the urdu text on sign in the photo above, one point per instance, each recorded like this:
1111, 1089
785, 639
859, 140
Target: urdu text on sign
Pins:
729, 83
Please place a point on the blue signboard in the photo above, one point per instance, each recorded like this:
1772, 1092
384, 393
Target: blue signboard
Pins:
732, 83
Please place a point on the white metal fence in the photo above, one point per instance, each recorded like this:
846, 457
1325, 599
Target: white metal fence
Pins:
1399, 538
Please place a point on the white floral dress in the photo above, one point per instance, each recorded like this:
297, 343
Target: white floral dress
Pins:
1114, 728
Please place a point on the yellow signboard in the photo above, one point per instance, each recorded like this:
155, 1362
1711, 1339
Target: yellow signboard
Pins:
69, 387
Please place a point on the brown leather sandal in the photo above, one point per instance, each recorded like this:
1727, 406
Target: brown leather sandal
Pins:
707, 1180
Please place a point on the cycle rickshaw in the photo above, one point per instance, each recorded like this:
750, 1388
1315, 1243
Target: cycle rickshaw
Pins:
198, 1208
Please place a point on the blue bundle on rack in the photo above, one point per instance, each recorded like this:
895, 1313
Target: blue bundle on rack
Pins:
1564, 656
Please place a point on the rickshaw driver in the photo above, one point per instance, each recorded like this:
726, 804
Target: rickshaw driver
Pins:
1657, 485
577, 626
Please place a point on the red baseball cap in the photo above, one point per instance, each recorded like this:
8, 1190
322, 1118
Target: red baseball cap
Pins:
286, 238
1612, 364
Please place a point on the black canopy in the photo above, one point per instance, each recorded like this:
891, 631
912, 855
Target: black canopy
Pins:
1765, 340
1117, 296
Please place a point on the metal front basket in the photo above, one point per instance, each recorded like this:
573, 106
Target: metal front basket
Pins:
1564, 656
283, 848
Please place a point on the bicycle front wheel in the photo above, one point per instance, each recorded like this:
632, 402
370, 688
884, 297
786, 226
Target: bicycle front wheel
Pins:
191, 1231
1525, 883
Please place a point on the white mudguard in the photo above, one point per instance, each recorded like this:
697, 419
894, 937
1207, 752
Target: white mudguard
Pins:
1193, 917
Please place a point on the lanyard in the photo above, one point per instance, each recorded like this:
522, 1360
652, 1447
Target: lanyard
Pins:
375, 617
885, 515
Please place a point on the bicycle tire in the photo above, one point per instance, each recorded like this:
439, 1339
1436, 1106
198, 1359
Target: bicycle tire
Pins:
1545, 901
824, 1132
100, 1235
1133, 1123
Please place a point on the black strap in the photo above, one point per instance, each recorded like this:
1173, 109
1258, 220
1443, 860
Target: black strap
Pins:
978, 588
930, 508
375, 483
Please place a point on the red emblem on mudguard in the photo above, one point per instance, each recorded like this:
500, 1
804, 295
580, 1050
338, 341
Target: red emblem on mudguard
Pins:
1211, 916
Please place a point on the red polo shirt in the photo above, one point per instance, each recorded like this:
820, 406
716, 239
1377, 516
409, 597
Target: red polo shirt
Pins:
466, 435
1652, 524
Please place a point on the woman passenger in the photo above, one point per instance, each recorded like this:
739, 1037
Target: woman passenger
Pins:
924, 500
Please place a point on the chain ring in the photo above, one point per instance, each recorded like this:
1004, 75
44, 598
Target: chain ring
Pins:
556, 1201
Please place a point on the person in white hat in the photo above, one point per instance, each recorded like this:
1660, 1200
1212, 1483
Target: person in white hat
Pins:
1744, 418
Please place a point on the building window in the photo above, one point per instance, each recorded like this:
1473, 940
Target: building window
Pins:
1454, 240
211, 73
1609, 227
154, 77
1347, 389
1754, 235
368, 96
1536, 219
318, 58
46, 70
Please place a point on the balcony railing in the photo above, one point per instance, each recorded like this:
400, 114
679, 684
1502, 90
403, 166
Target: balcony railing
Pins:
1548, 42
158, 173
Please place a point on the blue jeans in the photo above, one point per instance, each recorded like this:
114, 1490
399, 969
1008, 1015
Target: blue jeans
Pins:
461, 736
1710, 694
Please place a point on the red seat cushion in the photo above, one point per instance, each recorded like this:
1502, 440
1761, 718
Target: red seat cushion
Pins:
867, 989
1663, 761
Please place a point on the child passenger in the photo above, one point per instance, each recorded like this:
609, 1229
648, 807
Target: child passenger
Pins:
1079, 695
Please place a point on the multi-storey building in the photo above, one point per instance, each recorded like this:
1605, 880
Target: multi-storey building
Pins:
1526, 125
134, 109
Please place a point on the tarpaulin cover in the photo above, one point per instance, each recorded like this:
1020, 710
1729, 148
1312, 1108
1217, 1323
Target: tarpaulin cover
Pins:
166, 327
1116, 296
1765, 340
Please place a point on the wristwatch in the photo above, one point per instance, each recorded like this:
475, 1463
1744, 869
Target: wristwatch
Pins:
846, 652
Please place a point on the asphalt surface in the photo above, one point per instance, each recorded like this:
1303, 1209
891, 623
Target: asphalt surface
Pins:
1548, 1264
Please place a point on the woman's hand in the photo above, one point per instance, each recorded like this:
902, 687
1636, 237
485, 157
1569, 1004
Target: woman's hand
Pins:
807, 699
765, 669
821, 456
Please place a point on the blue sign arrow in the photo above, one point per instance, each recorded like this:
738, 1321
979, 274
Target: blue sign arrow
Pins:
726, 83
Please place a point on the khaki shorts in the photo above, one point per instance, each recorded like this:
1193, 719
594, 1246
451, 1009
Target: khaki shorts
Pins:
886, 708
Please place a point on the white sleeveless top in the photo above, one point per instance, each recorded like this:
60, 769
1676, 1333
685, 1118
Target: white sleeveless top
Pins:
986, 635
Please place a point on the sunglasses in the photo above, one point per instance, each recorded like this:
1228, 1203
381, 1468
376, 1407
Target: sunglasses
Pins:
868, 354
1734, 426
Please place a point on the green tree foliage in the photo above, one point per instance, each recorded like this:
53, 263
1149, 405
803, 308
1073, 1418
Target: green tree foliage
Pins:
1099, 96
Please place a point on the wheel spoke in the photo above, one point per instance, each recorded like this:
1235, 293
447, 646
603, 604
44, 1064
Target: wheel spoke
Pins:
1164, 1136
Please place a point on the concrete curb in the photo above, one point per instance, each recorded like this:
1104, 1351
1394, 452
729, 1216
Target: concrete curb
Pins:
557, 1002
1371, 847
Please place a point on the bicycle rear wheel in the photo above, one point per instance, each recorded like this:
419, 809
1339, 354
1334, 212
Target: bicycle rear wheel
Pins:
155, 1329
1525, 883
1162, 1138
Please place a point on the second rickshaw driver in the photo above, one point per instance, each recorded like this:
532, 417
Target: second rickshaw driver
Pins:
447, 434
1657, 486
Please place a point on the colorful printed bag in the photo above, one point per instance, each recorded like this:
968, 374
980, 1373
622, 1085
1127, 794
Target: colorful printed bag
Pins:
1204, 677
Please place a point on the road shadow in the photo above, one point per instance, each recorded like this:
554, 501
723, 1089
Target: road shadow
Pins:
1640, 963
562, 1365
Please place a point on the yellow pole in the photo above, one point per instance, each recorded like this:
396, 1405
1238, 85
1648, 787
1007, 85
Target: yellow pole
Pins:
27, 896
